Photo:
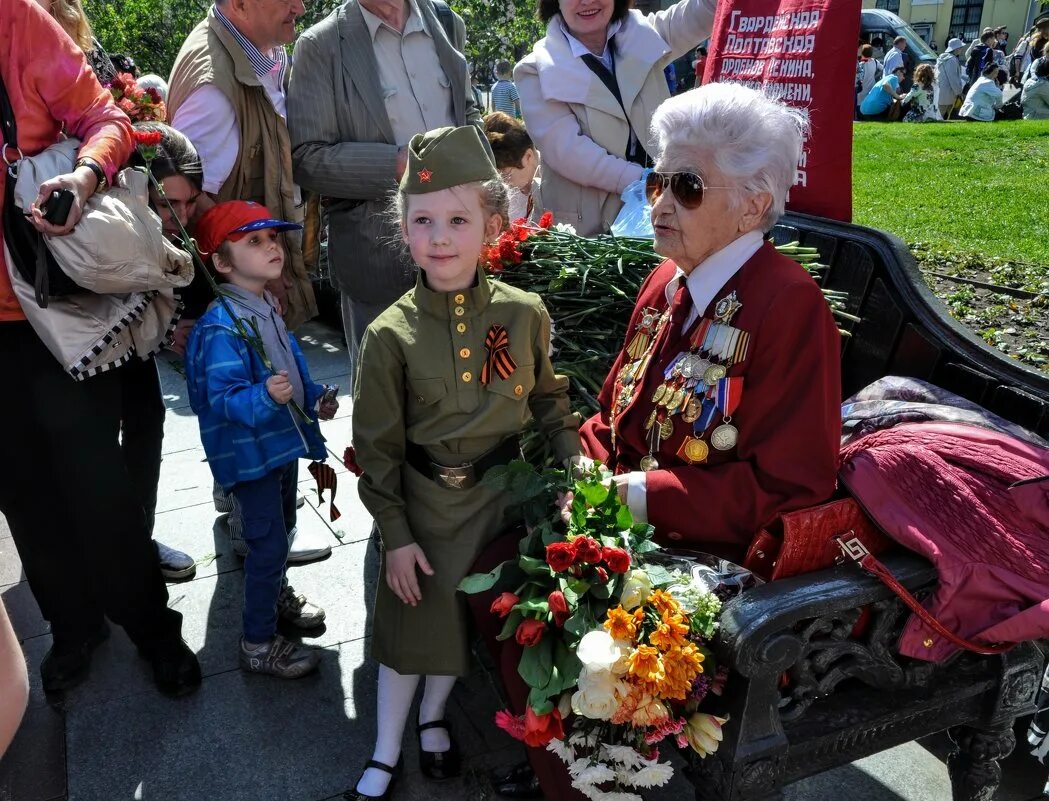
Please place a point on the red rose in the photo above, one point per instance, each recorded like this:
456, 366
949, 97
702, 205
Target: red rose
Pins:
504, 604
559, 606
541, 729
349, 458
617, 559
560, 556
546, 220
602, 575
588, 550
530, 632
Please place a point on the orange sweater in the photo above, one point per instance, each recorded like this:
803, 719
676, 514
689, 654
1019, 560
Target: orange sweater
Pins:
52, 89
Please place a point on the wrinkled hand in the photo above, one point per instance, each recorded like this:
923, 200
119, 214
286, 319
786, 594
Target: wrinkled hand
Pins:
81, 182
279, 387
400, 572
578, 464
620, 483
564, 506
328, 409
180, 336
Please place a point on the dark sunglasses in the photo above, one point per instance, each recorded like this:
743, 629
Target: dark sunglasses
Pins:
688, 187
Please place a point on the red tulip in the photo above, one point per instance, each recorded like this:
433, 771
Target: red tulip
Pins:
530, 632
503, 605
559, 606
617, 559
541, 729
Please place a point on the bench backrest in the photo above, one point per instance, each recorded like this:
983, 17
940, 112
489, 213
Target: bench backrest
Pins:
906, 330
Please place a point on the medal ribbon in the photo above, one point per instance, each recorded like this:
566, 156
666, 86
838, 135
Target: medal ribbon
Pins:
324, 475
706, 415
729, 394
497, 345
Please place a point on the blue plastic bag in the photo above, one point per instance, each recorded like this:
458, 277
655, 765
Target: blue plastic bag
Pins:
635, 218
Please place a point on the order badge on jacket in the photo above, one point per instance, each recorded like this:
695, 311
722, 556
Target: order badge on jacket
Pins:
804, 53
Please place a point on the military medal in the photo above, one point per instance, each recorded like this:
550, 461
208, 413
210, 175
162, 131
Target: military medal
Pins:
713, 374
666, 428
645, 329
726, 308
729, 393
693, 451
724, 437
649, 463
691, 411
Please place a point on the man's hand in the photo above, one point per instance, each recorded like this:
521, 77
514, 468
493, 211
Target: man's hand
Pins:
400, 572
328, 409
279, 387
180, 336
402, 162
81, 182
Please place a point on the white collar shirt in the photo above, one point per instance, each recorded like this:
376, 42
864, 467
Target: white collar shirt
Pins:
579, 49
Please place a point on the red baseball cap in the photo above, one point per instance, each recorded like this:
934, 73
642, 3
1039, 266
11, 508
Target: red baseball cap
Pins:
233, 220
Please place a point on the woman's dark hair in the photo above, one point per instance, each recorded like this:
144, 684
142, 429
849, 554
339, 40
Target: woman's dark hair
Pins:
175, 155
509, 139
548, 8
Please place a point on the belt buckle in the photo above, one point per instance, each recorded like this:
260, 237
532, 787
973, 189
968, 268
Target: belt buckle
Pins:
461, 477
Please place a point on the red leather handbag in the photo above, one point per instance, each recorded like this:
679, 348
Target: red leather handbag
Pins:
807, 540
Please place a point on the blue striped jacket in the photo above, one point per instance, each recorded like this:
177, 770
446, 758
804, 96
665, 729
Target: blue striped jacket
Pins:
245, 434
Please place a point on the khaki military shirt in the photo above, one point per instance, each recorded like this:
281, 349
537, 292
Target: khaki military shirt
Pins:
419, 381
417, 93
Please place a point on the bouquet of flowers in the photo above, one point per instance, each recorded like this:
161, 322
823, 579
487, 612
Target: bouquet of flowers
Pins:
141, 105
615, 645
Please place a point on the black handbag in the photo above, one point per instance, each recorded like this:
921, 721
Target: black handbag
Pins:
32, 258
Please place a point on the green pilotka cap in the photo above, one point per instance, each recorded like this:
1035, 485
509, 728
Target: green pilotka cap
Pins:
444, 158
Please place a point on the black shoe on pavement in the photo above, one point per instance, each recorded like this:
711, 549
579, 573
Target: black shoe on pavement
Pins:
176, 671
519, 782
357, 795
439, 765
66, 664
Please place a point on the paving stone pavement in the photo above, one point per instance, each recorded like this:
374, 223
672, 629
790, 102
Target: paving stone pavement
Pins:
247, 737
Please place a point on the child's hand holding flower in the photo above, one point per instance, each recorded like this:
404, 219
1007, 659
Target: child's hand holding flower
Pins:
279, 387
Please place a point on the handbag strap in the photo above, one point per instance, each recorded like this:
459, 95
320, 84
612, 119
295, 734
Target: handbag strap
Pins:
855, 550
7, 117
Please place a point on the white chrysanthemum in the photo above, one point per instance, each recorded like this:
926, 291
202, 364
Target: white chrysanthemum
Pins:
586, 772
624, 755
558, 747
655, 774
597, 794
565, 228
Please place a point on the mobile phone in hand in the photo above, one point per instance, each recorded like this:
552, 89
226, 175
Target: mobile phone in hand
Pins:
56, 207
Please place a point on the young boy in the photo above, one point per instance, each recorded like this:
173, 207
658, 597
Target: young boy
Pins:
252, 433
504, 93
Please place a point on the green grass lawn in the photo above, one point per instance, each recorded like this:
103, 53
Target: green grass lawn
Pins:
957, 187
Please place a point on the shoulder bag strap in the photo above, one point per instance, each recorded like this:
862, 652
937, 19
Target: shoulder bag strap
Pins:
635, 150
444, 14
854, 550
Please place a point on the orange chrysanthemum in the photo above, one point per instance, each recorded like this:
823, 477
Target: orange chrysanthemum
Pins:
664, 603
646, 667
620, 624
671, 633
681, 666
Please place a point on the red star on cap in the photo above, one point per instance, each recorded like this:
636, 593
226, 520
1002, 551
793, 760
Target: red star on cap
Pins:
425, 176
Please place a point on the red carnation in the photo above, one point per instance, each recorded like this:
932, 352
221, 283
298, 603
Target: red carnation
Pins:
147, 138
617, 559
154, 95
504, 604
508, 251
349, 458
511, 724
530, 632
559, 606
541, 729
546, 220
588, 550
560, 556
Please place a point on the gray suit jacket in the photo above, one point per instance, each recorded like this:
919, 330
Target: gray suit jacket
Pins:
343, 146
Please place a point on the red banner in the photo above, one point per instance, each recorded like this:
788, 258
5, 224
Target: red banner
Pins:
802, 52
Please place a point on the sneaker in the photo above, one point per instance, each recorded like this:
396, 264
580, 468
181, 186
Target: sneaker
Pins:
175, 565
296, 611
66, 664
176, 671
279, 657
307, 546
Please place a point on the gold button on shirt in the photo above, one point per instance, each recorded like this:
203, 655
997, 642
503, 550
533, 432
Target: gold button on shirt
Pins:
461, 328
468, 377
460, 298
465, 354
459, 311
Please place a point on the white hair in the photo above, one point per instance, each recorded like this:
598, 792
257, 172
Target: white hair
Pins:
152, 81
755, 141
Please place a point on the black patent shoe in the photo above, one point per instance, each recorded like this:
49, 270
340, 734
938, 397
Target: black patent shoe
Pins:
176, 671
66, 664
519, 782
356, 795
439, 765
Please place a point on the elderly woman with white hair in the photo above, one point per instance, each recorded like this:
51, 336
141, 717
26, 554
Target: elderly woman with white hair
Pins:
722, 410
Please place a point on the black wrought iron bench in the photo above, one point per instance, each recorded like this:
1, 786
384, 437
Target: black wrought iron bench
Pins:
848, 697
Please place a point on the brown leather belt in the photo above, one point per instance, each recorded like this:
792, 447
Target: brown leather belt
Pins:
467, 474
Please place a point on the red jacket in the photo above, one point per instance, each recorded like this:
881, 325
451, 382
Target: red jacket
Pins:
52, 88
789, 419
951, 492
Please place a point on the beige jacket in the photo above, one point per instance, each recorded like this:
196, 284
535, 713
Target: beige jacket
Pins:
118, 249
262, 173
577, 123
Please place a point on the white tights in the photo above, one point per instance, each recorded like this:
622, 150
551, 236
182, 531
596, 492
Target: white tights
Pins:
396, 693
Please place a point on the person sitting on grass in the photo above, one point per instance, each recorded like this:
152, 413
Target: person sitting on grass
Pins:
923, 97
1035, 96
985, 97
252, 434
876, 104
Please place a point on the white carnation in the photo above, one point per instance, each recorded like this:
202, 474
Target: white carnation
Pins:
565, 228
563, 751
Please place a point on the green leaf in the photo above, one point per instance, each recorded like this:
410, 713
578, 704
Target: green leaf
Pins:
658, 575
601, 591
534, 567
624, 520
537, 662
482, 582
537, 604
594, 494
540, 702
513, 620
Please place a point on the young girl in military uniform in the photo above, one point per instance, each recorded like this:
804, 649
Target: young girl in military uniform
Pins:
448, 378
